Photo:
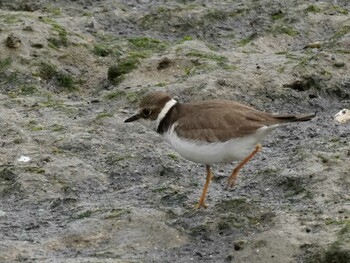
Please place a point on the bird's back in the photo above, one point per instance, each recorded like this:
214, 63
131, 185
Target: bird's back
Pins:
220, 120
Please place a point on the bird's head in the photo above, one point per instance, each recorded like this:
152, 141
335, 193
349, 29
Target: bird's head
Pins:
152, 109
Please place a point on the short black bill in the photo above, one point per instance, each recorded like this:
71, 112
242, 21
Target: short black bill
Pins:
133, 118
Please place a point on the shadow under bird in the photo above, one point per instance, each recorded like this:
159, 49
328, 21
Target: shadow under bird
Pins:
211, 131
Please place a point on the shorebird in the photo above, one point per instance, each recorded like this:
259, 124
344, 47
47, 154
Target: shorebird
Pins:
211, 131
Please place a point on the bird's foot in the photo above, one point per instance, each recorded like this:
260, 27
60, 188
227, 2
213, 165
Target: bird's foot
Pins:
199, 205
230, 184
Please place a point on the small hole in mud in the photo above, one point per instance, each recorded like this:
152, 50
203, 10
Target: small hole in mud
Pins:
299, 85
312, 96
164, 63
237, 247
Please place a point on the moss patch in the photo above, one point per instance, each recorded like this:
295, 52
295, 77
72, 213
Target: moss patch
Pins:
61, 39
85, 214
248, 39
65, 80
284, 29
313, 9
341, 32
46, 70
116, 72
209, 56
101, 51
117, 213
146, 43
103, 115
277, 15
172, 156
5, 64
115, 95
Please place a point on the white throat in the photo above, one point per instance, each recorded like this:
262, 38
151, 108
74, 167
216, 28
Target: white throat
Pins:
164, 111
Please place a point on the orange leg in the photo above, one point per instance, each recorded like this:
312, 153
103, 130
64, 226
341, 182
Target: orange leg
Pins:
205, 188
232, 179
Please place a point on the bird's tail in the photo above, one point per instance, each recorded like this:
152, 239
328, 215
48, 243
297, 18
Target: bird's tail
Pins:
295, 118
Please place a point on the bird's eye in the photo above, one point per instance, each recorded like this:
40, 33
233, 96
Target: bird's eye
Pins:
146, 112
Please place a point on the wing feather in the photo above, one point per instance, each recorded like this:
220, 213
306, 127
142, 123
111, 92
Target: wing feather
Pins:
220, 120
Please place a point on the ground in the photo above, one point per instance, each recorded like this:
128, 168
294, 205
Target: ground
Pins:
77, 184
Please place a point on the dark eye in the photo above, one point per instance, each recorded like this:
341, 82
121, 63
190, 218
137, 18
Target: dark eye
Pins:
146, 112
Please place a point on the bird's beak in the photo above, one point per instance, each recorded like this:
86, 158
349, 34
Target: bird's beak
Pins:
133, 118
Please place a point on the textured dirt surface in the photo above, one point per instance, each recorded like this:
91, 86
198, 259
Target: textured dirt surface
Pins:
98, 190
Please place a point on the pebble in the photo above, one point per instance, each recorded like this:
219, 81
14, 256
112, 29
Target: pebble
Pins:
28, 28
313, 45
24, 159
342, 116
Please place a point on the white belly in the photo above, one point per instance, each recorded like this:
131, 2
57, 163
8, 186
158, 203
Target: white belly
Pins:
218, 152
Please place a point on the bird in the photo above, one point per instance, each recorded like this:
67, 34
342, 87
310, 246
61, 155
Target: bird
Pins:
210, 131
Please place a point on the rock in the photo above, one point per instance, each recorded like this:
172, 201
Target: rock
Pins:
28, 28
342, 116
339, 64
312, 45
13, 41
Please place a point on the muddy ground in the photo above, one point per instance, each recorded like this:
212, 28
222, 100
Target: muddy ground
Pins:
79, 185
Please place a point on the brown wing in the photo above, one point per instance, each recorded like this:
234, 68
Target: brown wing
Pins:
220, 120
